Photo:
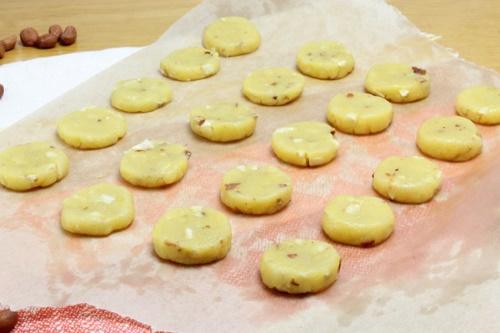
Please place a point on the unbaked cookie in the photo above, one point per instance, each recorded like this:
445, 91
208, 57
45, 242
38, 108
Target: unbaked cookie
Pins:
141, 95
98, 210
154, 163
299, 266
325, 60
411, 179
273, 86
359, 113
193, 63
231, 36
256, 190
192, 236
309, 143
223, 122
481, 104
92, 128
358, 220
31, 165
398, 83
451, 138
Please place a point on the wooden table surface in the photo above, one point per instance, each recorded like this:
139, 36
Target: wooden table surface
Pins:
470, 27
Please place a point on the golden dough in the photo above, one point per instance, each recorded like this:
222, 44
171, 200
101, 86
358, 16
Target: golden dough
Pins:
359, 113
273, 86
309, 143
451, 138
91, 128
411, 179
192, 63
31, 165
325, 60
358, 220
481, 104
98, 210
398, 83
192, 236
141, 95
231, 36
256, 190
154, 163
299, 266
223, 122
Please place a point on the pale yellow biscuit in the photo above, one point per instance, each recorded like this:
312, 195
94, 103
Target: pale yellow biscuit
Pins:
231, 36
398, 83
91, 128
31, 165
141, 95
273, 86
411, 179
98, 210
451, 138
192, 63
481, 104
358, 220
325, 60
359, 113
154, 163
309, 143
223, 122
299, 266
256, 190
192, 236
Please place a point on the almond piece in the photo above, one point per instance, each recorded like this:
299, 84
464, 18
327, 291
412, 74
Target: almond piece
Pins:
68, 36
46, 41
56, 30
29, 36
9, 43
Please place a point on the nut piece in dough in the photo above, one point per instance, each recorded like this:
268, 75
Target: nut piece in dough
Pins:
98, 210
398, 83
154, 163
325, 60
481, 104
411, 179
223, 122
231, 36
359, 113
256, 190
358, 220
31, 165
192, 236
299, 266
309, 143
451, 138
91, 128
273, 86
189, 64
141, 95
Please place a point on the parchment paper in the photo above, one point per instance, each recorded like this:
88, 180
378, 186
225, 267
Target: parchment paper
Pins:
438, 272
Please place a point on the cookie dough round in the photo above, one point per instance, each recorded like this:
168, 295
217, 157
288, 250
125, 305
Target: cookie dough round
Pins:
31, 165
189, 64
273, 86
451, 138
256, 190
309, 143
223, 122
92, 128
154, 163
411, 179
98, 210
358, 220
398, 83
481, 104
141, 95
325, 60
359, 113
192, 236
299, 266
231, 36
